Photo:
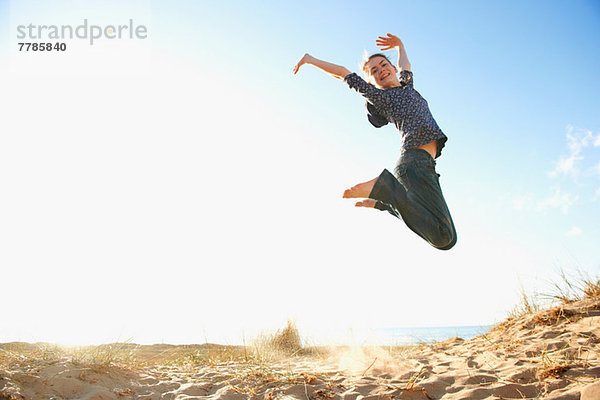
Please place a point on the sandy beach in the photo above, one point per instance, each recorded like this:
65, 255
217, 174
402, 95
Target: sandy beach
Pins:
551, 354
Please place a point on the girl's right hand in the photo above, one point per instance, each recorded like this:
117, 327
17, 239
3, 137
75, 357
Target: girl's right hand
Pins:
303, 61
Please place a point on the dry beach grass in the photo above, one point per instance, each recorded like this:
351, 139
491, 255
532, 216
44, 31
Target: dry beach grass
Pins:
551, 353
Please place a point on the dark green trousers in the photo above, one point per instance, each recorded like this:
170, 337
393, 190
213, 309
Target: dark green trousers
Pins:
415, 196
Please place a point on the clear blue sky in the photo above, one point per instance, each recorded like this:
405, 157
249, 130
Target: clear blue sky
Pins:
191, 176
505, 80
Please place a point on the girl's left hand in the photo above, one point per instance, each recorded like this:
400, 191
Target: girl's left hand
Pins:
389, 42
303, 61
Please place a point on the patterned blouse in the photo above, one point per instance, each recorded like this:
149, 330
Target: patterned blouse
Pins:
403, 106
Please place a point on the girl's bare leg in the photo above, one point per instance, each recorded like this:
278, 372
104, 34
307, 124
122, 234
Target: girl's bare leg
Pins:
362, 190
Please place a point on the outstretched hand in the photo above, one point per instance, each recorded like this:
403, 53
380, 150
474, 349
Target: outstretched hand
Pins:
302, 61
388, 42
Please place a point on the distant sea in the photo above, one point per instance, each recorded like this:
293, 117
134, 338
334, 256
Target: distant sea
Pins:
407, 336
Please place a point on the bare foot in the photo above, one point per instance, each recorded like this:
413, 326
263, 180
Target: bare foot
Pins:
366, 203
361, 190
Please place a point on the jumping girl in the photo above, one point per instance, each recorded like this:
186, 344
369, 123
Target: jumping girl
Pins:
414, 193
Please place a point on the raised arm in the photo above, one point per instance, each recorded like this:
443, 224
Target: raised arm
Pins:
336, 71
393, 42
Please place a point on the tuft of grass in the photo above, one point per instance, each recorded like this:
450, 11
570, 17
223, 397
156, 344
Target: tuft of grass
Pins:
283, 343
552, 367
287, 340
529, 305
568, 289
415, 379
591, 288
576, 286
106, 355
23, 354
201, 356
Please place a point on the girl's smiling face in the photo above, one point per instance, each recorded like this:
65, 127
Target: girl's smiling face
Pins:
383, 72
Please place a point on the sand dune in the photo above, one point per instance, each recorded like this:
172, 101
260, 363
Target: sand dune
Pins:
554, 354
